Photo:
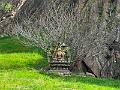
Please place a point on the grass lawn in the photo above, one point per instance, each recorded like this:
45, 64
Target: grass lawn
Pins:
20, 70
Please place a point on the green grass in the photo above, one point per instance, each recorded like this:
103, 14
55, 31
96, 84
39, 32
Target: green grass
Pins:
14, 55
20, 70
19, 60
35, 80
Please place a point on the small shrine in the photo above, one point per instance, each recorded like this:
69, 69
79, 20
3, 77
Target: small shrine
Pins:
59, 59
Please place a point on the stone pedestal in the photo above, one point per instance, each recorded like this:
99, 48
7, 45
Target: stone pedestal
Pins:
60, 67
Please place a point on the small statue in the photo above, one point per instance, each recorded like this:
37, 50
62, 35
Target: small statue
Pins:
58, 51
60, 54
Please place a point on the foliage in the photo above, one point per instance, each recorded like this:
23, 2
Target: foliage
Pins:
7, 6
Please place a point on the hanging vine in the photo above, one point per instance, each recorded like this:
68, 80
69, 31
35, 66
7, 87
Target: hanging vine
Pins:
111, 13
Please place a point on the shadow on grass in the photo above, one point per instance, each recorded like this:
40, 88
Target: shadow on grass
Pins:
40, 64
87, 80
14, 45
